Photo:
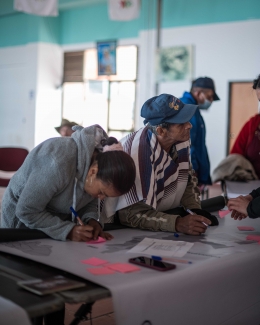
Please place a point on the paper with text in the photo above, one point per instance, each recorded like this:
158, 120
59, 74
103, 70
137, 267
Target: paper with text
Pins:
160, 247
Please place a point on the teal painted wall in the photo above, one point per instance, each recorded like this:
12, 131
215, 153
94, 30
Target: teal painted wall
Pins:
20, 29
198, 12
91, 23
15, 30
49, 31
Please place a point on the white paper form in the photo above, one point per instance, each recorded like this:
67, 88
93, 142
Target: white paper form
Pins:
160, 247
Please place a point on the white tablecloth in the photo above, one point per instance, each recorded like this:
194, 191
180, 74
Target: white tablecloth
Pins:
221, 286
234, 189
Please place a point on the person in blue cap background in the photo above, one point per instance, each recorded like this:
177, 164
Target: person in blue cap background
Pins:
202, 93
165, 186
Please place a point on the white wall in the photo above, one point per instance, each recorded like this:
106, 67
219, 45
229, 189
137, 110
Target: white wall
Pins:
49, 94
30, 75
17, 95
30, 104
226, 52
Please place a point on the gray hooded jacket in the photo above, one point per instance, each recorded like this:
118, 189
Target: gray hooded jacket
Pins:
52, 176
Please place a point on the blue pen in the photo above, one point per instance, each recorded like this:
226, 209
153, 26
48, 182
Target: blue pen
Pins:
176, 260
77, 216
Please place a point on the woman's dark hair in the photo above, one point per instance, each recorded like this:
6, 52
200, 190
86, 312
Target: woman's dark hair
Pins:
116, 168
256, 83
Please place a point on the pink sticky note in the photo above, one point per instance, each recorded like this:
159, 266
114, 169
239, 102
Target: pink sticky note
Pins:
123, 267
223, 213
94, 261
101, 271
245, 228
253, 237
99, 240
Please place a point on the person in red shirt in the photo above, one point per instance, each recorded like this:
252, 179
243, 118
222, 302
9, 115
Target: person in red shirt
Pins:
247, 143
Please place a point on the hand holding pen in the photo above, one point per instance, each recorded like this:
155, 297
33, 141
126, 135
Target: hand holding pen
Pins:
88, 232
192, 224
192, 213
81, 232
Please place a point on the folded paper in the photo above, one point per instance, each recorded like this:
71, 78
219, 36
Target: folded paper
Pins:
253, 237
101, 271
245, 228
223, 213
98, 241
94, 261
123, 267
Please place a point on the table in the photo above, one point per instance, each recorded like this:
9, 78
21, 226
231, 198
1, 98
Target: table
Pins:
234, 189
221, 286
14, 268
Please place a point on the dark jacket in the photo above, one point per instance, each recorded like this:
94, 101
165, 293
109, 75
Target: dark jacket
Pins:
199, 153
253, 208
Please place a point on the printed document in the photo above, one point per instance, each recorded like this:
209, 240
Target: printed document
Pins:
162, 248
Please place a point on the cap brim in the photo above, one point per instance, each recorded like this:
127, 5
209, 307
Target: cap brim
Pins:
183, 116
215, 97
57, 128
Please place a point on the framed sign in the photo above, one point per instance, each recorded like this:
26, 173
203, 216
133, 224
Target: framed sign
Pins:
106, 52
174, 63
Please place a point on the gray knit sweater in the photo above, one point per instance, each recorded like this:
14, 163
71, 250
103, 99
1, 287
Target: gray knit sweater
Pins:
40, 193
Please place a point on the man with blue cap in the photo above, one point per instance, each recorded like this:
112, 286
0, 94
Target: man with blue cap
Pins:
165, 186
202, 93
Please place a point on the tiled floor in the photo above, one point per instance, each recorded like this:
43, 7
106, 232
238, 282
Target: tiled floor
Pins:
102, 311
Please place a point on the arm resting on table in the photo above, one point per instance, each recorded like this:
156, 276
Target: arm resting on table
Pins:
141, 215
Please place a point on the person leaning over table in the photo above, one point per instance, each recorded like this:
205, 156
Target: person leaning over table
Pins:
165, 181
63, 172
243, 206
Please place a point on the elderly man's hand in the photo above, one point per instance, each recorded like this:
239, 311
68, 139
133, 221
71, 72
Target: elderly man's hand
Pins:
192, 224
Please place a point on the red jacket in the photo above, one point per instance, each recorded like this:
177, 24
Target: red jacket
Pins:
246, 136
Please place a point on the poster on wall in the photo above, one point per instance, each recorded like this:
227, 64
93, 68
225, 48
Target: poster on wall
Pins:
36, 7
106, 52
124, 10
174, 63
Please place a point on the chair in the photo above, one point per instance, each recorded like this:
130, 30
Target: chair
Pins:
11, 159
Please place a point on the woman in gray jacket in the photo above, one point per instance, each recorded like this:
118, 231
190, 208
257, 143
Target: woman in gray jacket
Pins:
67, 172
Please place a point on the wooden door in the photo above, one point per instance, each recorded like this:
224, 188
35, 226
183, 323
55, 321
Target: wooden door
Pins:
243, 105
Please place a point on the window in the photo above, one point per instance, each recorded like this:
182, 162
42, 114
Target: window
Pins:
105, 100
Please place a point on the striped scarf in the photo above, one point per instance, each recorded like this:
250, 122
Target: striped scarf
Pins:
159, 179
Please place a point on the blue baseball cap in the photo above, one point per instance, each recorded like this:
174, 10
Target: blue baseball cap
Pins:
207, 83
166, 108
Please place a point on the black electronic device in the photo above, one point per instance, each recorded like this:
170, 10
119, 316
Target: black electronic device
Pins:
152, 263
